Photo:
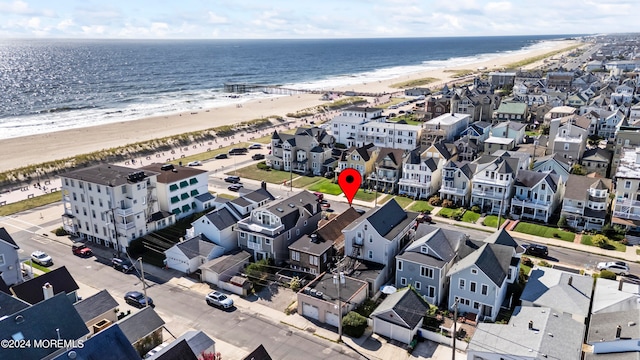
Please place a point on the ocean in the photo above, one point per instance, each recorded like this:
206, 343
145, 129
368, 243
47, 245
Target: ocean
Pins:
51, 85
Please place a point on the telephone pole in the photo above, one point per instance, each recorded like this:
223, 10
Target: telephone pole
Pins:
455, 321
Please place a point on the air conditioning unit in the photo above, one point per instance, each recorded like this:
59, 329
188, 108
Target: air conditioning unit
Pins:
101, 325
319, 294
312, 292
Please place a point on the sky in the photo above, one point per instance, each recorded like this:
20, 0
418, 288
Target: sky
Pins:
305, 19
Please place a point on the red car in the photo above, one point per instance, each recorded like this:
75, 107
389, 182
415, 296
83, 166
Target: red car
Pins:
81, 250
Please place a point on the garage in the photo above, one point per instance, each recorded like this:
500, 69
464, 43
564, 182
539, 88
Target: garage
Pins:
310, 311
332, 319
400, 315
382, 327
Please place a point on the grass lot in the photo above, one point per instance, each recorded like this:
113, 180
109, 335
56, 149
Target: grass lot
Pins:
226, 196
304, 181
385, 199
363, 195
252, 172
410, 119
470, 217
526, 269
326, 186
460, 73
613, 245
492, 221
27, 204
414, 83
420, 206
533, 59
36, 266
392, 101
544, 231
447, 212
403, 201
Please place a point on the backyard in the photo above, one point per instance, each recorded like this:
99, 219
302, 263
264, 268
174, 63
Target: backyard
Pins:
544, 231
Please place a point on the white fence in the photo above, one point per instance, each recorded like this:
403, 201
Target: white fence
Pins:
441, 339
238, 290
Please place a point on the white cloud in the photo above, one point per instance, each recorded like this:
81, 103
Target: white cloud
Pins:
217, 19
34, 23
16, 7
493, 7
94, 30
65, 24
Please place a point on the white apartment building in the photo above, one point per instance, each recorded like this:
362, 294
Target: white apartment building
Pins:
445, 127
111, 205
357, 126
178, 187
626, 205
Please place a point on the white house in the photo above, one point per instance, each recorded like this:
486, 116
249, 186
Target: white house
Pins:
187, 256
537, 195
400, 315
420, 176
445, 127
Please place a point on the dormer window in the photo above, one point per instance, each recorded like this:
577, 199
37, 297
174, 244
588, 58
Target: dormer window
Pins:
424, 249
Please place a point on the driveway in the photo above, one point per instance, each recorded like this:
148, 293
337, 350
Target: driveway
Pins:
273, 296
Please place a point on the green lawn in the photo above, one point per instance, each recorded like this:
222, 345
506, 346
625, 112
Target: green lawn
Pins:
304, 181
526, 269
272, 176
447, 212
326, 186
544, 231
32, 203
492, 221
385, 199
470, 217
28, 263
226, 196
363, 195
403, 201
420, 206
613, 245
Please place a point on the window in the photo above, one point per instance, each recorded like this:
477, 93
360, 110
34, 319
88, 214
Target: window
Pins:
370, 255
403, 281
431, 292
472, 286
295, 256
313, 260
461, 284
627, 184
399, 265
484, 289
426, 272
474, 271
242, 235
2, 261
476, 305
418, 285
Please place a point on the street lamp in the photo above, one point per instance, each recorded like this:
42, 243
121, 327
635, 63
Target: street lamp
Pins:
339, 280
144, 284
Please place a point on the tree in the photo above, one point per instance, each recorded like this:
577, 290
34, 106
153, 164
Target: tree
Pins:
562, 222
354, 324
600, 241
578, 169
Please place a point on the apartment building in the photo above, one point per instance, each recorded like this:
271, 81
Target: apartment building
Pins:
626, 204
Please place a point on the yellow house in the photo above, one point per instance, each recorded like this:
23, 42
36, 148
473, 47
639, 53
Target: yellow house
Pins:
360, 158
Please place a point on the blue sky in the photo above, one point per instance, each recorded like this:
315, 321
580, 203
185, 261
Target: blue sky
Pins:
241, 19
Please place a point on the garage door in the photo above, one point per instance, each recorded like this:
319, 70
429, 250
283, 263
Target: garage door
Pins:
382, 328
332, 319
310, 311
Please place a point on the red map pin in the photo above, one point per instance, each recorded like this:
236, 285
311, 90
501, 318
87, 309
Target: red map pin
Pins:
349, 181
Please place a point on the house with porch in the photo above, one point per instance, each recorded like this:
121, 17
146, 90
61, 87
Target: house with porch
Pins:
514, 111
424, 263
445, 127
271, 228
478, 131
553, 163
379, 235
568, 137
537, 195
387, 170
626, 204
421, 176
609, 124
360, 158
456, 182
586, 202
492, 183
304, 152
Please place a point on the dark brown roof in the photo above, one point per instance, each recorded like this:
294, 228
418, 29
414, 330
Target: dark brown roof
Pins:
176, 174
332, 231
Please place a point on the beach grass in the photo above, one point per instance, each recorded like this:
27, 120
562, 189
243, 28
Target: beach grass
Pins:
460, 72
252, 172
304, 181
326, 186
414, 83
544, 231
32, 203
403, 201
392, 101
421, 206
531, 60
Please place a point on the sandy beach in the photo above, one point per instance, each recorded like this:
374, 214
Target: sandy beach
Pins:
23, 151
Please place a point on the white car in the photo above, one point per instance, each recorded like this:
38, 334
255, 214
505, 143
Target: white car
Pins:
616, 267
41, 258
216, 298
195, 163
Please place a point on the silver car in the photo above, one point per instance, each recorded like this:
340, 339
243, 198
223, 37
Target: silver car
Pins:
216, 298
616, 267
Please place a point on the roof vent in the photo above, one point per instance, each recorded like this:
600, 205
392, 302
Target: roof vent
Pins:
631, 323
280, 209
291, 206
72, 355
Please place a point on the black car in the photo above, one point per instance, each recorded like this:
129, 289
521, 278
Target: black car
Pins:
137, 299
222, 156
257, 156
536, 250
232, 179
123, 265
235, 187
238, 151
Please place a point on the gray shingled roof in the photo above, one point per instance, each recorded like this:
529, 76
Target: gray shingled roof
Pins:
205, 197
140, 324
404, 308
4, 236
502, 237
441, 244
603, 325
173, 175
196, 246
95, 347
222, 218
492, 259
105, 174
31, 291
95, 305
10, 304
549, 287
387, 217
578, 186
227, 261
529, 179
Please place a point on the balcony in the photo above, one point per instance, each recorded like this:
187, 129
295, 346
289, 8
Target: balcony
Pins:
573, 209
259, 228
488, 194
453, 191
124, 212
254, 246
597, 199
542, 205
126, 226
626, 215
620, 201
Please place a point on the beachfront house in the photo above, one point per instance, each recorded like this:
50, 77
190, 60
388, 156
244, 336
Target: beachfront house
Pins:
271, 228
178, 187
112, 205
304, 152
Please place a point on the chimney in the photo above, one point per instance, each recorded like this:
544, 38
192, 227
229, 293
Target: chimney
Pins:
530, 324
620, 283
570, 280
47, 290
618, 332
263, 185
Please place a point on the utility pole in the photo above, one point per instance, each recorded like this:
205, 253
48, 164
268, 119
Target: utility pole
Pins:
500, 210
455, 321
339, 280
144, 284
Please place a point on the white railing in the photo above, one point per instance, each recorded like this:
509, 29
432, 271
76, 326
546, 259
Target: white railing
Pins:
453, 190
487, 193
573, 209
126, 226
255, 227
124, 212
620, 201
254, 246
531, 204
626, 215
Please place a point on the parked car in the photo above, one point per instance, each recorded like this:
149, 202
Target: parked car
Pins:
257, 157
319, 195
216, 298
222, 156
536, 250
137, 299
123, 265
41, 258
232, 179
255, 146
81, 249
616, 267
235, 187
238, 151
325, 204
424, 218
195, 163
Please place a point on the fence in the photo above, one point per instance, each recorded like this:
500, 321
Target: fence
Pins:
441, 339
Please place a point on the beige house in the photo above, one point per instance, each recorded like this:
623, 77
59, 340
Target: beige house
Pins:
361, 158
